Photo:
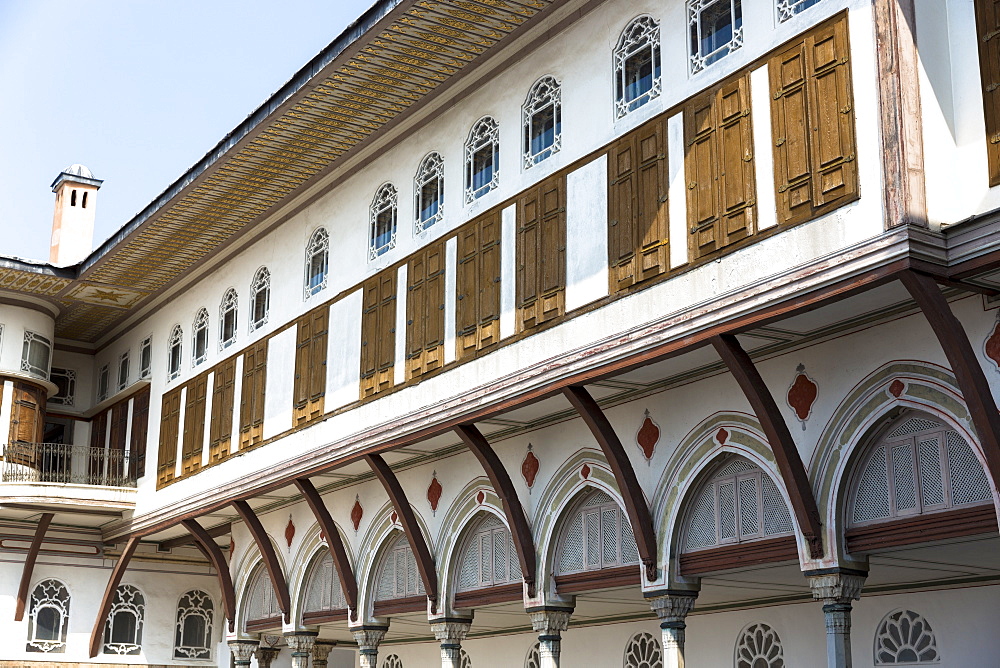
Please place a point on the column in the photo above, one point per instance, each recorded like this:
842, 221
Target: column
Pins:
368, 639
321, 651
450, 634
672, 611
242, 650
837, 590
301, 644
549, 623
265, 655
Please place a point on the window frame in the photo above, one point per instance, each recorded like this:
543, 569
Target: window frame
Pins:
640, 34
398, 549
103, 383
175, 353
318, 248
485, 133
543, 94
146, 358
199, 603
578, 513
385, 201
123, 368
699, 61
489, 526
199, 337
31, 341
785, 10
135, 605
48, 593
431, 169
261, 285
228, 308
69, 398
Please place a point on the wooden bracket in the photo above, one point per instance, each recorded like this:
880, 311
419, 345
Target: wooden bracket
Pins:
97, 634
266, 548
29, 564
203, 540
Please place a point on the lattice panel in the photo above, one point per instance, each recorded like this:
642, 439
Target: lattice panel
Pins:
323, 590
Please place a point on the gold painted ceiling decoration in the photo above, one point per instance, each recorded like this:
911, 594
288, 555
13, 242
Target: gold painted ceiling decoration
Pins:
395, 65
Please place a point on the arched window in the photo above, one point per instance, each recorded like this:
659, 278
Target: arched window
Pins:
174, 348
382, 228
262, 605
637, 65
740, 503
322, 587
317, 261
542, 119
759, 647
643, 651
905, 638
534, 657
920, 466
482, 159
260, 298
398, 576
788, 8
392, 661
227, 319
48, 617
596, 535
200, 329
72, 198
123, 629
84, 203
428, 192
716, 28
195, 619
488, 556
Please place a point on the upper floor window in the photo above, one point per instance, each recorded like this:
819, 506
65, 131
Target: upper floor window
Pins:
48, 617
382, 230
35, 355
596, 535
65, 380
263, 610
323, 590
123, 369
428, 188
489, 557
637, 65
103, 383
482, 159
788, 8
260, 298
398, 576
716, 28
317, 261
84, 204
227, 319
174, 349
123, 629
72, 198
200, 329
542, 118
146, 357
193, 631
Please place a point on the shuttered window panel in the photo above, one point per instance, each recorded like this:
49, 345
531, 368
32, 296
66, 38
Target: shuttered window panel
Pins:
194, 425
252, 395
26, 416
378, 333
477, 306
988, 28
310, 365
425, 311
541, 253
812, 111
223, 398
169, 430
140, 428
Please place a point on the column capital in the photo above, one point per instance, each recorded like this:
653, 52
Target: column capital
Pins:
672, 607
549, 621
301, 641
265, 655
369, 636
839, 586
321, 650
242, 650
451, 630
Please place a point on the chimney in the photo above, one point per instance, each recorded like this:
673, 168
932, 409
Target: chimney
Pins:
73, 220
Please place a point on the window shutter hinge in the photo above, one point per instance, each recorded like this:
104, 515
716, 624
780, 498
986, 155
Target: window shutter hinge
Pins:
692, 185
992, 87
847, 109
460, 297
780, 142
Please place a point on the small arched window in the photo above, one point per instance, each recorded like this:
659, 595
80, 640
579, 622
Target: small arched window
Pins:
596, 535
428, 192
534, 657
200, 328
72, 198
637, 65
260, 298
175, 347
488, 556
482, 159
643, 651
382, 227
905, 638
716, 30
84, 202
398, 576
48, 617
317, 261
323, 591
542, 119
788, 8
262, 605
123, 629
759, 647
195, 620
227, 319
392, 661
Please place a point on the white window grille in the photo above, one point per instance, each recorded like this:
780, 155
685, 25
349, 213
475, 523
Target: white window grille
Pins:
788, 8
738, 504
175, 347
323, 591
103, 383
262, 602
382, 225
716, 28
488, 557
759, 647
227, 319
48, 617
200, 344
542, 119
482, 159
643, 651
65, 380
534, 658
905, 638
260, 298
398, 575
920, 466
596, 535
317, 261
123, 369
35, 355
146, 357
465, 661
195, 621
637, 65
123, 629
392, 661
428, 192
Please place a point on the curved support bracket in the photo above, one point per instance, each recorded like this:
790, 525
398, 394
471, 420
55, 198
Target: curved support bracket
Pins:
333, 539
425, 562
611, 445
786, 454
500, 479
29, 564
97, 634
271, 562
212, 551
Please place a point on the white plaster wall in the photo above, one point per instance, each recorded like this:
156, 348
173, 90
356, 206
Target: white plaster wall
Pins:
587, 233
17, 320
86, 384
280, 383
343, 361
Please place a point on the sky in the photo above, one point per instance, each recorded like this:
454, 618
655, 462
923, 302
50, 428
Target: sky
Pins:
136, 90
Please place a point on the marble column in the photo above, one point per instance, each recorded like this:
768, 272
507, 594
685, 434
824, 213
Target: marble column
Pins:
837, 590
321, 651
301, 644
368, 639
549, 623
242, 650
672, 611
265, 655
451, 633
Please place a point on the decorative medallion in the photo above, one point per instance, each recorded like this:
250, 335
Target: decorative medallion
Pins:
322, 537
434, 492
648, 436
802, 395
896, 388
585, 471
106, 295
357, 512
529, 467
289, 532
481, 497
722, 436
270, 640
394, 518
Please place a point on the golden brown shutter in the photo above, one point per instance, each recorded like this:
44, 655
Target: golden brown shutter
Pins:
652, 252
528, 260
988, 24
369, 336
252, 395
140, 428
169, 427
310, 365
488, 303
700, 166
194, 425
622, 177
790, 130
378, 333
300, 392
541, 253
736, 152
425, 311
467, 291
27, 414
223, 397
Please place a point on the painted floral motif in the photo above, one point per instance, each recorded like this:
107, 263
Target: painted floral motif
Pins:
480, 497
722, 436
648, 436
434, 492
357, 512
585, 471
529, 467
289, 532
896, 388
802, 395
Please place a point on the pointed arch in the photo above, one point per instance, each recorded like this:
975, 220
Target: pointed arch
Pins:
482, 159
428, 192
637, 65
228, 320
199, 337
383, 220
317, 261
260, 298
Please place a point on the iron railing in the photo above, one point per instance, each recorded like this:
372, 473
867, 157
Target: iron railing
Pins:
61, 462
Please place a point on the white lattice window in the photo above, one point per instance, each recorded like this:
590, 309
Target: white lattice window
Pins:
488, 557
103, 382
716, 28
260, 298
759, 647
920, 466
464, 660
392, 661
482, 159
398, 576
65, 380
534, 657
199, 346
643, 651
596, 535
428, 192
123, 370
195, 621
382, 223
637, 65
35, 355
48, 617
228, 319
175, 346
323, 591
317, 261
146, 357
905, 638
786, 9
123, 629
542, 120
262, 604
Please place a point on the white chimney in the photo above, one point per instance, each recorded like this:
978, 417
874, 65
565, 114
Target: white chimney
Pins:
73, 221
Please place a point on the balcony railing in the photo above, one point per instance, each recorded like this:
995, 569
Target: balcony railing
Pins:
60, 462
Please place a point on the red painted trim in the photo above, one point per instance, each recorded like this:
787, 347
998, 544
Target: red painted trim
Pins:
397, 606
751, 553
923, 529
475, 598
622, 576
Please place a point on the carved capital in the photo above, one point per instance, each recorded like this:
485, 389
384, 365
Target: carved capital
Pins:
369, 637
837, 587
301, 642
673, 608
242, 650
549, 621
321, 651
451, 632
265, 655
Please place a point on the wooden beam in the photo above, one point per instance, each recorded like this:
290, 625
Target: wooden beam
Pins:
786, 454
614, 452
188, 539
97, 634
348, 583
964, 363
502, 485
271, 562
425, 562
203, 540
29, 564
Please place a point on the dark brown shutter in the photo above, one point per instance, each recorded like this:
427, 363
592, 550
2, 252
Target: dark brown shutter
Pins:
988, 24
317, 361
27, 414
790, 130
378, 333
300, 392
737, 178
140, 428
652, 252
416, 320
169, 427
98, 445
252, 395
194, 425
488, 303
369, 336
116, 446
622, 177
467, 291
541, 253
700, 167
528, 261
221, 428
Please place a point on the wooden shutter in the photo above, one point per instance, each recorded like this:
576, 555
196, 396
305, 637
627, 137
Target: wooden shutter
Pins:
425, 311
528, 261
252, 395
736, 152
988, 25
477, 307
541, 253
169, 428
116, 444
223, 397
194, 425
369, 336
27, 418
140, 427
310, 365
98, 445
378, 333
